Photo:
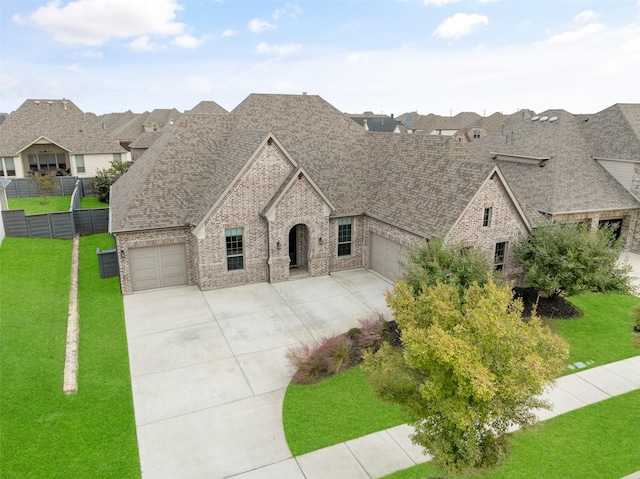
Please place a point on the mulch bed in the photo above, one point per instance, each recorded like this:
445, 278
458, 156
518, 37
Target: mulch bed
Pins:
556, 308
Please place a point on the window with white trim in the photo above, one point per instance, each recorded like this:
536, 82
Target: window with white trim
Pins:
486, 216
7, 168
344, 236
499, 256
80, 163
234, 243
476, 134
117, 157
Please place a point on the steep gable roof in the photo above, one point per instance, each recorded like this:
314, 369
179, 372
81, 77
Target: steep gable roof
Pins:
59, 121
561, 175
613, 133
207, 108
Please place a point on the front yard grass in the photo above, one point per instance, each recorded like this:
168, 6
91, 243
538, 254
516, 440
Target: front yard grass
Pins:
46, 434
34, 206
596, 441
324, 414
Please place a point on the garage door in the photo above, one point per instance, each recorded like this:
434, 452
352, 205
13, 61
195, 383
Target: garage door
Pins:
158, 266
385, 255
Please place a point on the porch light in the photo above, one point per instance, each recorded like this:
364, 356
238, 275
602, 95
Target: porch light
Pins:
278, 245
122, 253
320, 241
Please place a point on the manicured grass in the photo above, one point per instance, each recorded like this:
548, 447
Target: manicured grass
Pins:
46, 434
34, 206
597, 441
89, 202
334, 410
602, 335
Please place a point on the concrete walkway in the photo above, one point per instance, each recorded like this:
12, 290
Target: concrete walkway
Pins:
209, 374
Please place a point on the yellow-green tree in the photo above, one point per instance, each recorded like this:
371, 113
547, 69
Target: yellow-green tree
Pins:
470, 368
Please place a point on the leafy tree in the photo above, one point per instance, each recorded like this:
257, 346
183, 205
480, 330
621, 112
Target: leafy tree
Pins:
107, 176
433, 262
570, 259
469, 369
46, 184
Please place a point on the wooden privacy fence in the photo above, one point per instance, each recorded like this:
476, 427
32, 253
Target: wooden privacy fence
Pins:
23, 188
61, 225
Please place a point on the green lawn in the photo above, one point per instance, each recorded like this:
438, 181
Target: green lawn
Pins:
44, 433
89, 202
34, 206
596, 442
329, 413
336, 409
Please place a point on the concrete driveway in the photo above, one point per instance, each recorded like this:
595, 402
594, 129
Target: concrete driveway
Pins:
209, 369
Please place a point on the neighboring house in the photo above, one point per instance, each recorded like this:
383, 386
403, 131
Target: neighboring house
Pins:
139, 133
54, 136
377, 123
565, 166
286, 185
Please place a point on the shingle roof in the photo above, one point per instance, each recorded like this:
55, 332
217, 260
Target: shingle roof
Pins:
132, 129
416, 186
614, 132
208, 108
59, 121
357, 171
377, 123
570, 180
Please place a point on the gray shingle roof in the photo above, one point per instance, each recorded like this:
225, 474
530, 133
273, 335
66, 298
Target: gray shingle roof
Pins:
207, 108
59, 121
570, 180
412, 181
132, 129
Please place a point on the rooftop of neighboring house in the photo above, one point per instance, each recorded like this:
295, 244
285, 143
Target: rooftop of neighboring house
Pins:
144, 122
60, 122
548, 159
378, 123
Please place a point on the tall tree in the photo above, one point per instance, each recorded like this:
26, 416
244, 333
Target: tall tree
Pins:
569, 259
469, 369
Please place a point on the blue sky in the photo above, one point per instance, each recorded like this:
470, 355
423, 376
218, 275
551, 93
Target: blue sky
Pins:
390, 56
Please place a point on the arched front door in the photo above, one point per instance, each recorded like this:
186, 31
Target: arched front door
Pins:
299, 247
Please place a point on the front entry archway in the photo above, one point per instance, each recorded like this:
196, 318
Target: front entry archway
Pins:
299, 249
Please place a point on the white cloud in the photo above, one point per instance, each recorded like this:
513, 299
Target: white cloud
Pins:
258, 26
229, 32
279, 50
438, 3
95, 22
357, 57
585, 16
289, 10
460, 25
574, 36
143, 44
75, 68
186, 41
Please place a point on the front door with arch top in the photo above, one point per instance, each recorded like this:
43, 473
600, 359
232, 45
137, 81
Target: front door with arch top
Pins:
298, 246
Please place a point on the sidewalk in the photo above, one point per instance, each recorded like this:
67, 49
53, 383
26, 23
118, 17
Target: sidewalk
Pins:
385, 452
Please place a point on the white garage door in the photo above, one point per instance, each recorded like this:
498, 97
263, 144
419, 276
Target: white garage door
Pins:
158, 266
385, 255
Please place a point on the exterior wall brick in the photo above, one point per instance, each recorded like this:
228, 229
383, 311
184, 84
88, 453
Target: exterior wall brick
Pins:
126, 241
506, 225
241, 209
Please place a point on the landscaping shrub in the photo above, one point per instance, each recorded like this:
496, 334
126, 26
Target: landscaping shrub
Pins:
309, 363
336, 353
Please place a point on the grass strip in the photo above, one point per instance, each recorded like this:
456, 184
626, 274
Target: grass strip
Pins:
46, 434
90, 202
335, 410
596, 441
34, 206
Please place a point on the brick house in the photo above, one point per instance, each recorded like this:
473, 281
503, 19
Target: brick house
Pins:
573, 168
286, 186
54, 136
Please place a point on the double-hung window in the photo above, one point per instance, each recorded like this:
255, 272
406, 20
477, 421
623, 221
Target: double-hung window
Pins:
80, 163
344, 236
486, 217
235, 256
499, 255
7, 167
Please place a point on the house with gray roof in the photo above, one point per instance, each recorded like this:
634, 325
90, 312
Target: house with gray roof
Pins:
573, 168
286, 186
55, 136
